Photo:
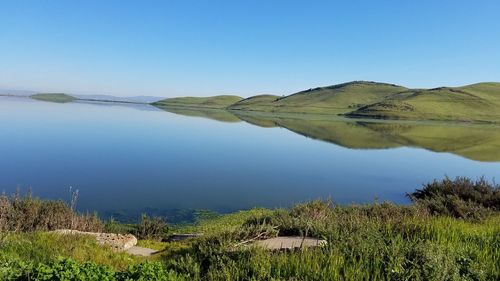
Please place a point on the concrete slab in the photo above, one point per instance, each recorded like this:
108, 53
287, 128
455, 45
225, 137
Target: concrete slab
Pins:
290, 242
140, 251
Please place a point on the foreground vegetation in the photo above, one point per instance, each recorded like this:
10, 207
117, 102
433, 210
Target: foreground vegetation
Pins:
450, 232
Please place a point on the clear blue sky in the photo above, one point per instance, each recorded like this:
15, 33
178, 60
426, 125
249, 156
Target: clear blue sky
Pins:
177, 48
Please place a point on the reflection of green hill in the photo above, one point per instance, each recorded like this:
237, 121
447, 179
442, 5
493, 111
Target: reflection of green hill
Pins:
477, 142
347, 134
265, 122
214, 114
473, 141
217, 102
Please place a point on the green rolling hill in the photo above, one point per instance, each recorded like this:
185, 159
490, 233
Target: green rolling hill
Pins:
215, 102
478, 102
362, 99
337, 99
256, 103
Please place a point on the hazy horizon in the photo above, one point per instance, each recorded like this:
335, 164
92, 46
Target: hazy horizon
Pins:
186, 48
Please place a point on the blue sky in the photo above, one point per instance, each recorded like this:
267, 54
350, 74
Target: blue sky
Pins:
178, 48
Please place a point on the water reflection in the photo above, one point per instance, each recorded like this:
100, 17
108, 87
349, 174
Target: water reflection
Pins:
478, 142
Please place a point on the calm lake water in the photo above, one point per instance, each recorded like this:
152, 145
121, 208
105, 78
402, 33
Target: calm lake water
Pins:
125, 160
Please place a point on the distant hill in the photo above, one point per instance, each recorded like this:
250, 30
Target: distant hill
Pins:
216, 102
53, 97
86, 97
109, 98
478, 102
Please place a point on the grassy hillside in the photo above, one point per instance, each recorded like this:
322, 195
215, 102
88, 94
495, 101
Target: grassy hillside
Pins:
252, 103
473, 103
478, 102
335, 99
217, 102
54, 97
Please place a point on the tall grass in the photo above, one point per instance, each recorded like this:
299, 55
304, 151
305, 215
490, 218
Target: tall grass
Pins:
365, 242
27, 213
437, 238
376, 242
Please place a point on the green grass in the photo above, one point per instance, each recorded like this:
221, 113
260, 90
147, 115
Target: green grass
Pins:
216, 102
54, 97
450, 232
44, 247
477, 103
377, 242
371, 242
262, 102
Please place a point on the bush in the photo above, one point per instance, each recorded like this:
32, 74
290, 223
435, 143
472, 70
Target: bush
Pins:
151, 228
25, 213
459, 198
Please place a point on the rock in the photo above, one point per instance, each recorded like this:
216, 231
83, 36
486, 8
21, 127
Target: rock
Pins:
119, 242
290, 242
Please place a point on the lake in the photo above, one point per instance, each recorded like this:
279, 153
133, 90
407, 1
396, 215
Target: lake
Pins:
129, 159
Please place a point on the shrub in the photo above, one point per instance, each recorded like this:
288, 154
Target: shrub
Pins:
151, 228
460, 198
12, 268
